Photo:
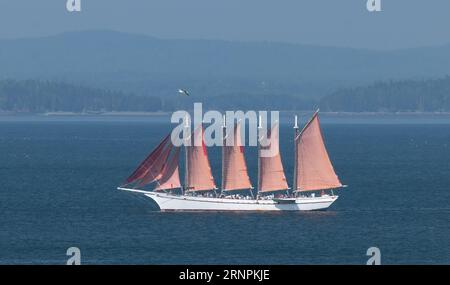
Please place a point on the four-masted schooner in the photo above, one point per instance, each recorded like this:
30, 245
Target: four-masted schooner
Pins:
314, 175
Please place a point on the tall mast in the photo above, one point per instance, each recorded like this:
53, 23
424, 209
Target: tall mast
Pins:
259, 155
186, 140
224, 135
294, 185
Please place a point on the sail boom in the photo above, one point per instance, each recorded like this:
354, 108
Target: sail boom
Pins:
237, 189
200, 190
274, 190
319, 189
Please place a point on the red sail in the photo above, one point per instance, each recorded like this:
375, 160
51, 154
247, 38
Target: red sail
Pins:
170, 177
144, 167
234, 168
155, 171
271, 173
314, 168
198, 172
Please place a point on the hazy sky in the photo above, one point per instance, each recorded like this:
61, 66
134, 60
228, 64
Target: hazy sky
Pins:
402, 23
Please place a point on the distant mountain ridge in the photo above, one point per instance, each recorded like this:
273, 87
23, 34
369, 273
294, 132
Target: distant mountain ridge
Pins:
157, 67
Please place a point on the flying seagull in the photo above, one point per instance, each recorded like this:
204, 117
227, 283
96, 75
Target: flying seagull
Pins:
183, 92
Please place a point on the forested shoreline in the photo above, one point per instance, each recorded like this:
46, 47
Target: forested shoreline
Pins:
431, 95
34, 96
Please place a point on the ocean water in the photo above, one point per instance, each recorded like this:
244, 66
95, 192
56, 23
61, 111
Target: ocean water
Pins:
58, 190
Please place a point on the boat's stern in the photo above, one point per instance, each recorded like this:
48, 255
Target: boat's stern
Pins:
315, 203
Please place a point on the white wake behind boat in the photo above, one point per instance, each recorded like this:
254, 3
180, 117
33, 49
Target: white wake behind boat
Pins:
314, 176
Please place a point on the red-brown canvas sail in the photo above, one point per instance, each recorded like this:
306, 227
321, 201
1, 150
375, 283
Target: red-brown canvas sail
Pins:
314, 168
234, 168
144, 167
271, 173
155, 171
170, 177
198, 176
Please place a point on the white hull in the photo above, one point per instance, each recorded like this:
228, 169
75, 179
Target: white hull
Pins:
168, 202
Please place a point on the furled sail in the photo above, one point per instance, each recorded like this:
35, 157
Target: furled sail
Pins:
170, 177
143, 168
234, 168
271, 173
313, 165
198, 169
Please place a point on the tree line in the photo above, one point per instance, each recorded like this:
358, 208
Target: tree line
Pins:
428, 95
45, 96
34, 96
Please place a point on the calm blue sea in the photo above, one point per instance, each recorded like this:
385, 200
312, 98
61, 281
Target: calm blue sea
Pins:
58, 181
